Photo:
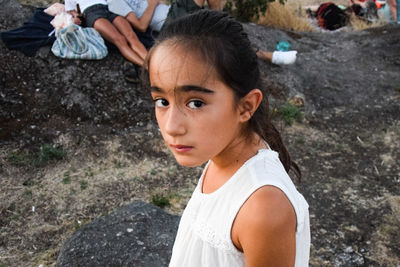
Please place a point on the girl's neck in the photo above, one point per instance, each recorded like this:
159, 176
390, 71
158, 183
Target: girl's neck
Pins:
240, 150
223, 166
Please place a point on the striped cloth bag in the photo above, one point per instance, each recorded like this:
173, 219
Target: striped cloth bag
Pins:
76, 42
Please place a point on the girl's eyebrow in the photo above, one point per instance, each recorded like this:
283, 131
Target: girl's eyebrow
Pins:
155, 89
189, 88
185, 88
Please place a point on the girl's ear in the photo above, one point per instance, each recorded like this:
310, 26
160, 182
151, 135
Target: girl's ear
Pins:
249, 104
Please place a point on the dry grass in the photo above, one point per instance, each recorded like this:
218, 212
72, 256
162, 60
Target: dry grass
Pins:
387, 236
67, 194
359, 25
289, 16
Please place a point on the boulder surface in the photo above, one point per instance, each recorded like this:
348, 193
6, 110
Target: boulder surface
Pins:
139, 234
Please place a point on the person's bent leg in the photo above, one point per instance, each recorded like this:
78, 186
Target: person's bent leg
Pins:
393, 9
215, 4
264, 55
111, 34
278, 57
126, 30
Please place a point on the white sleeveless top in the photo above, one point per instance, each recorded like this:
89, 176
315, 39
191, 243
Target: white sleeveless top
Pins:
204, 233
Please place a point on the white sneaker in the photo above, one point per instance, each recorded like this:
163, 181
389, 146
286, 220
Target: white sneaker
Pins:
284, 58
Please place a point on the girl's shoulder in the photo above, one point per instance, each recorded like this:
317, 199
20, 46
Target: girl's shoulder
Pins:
269, 179
265, 222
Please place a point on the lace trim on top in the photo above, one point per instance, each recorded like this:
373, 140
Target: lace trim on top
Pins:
214, 239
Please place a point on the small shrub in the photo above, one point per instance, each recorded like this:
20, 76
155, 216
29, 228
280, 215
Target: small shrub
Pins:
160, 200
118, 164
28, 193
19, 159
48, 152
288, 113
247, 10
66, 180
84, 184
28, 183
90, 172
45, 154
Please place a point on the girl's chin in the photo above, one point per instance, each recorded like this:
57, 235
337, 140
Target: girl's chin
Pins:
189, 162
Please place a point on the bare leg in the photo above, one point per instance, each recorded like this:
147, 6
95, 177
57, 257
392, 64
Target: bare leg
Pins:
213, 4
393, 9
125, 28
111, 34
264, 55
216, 4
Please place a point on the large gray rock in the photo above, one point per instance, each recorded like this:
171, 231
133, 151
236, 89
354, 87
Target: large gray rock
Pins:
12, 14
335, 70
139, 234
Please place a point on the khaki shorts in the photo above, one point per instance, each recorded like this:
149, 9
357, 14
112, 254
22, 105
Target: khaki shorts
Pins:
96, 12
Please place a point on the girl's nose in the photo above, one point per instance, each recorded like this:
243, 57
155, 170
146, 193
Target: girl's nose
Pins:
175, 121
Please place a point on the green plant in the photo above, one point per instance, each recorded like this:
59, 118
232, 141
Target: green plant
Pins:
84, 184
14, 217
66, 180
160, 200
288, 113
48, 152
90, 172
27, 193
247, 10
300, 141
19, 159
118, 164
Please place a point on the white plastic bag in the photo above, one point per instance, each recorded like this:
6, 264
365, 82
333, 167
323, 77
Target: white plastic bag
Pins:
55, 9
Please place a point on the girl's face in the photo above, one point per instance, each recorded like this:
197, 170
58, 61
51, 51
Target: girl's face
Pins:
195, 110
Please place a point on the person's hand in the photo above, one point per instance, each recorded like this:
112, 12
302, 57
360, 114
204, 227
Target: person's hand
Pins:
153, 2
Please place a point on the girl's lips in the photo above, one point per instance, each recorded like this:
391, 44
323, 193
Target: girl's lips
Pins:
181, 148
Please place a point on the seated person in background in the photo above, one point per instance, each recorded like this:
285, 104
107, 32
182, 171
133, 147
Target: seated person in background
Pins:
141, 13
391, 11
137, 13
113, 28
365, 10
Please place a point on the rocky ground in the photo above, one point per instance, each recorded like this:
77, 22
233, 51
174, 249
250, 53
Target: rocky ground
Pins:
77, 142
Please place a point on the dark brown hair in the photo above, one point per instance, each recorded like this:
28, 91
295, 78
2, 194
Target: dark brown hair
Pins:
221, 41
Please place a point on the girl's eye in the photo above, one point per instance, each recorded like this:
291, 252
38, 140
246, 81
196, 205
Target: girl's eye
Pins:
194, 104
161, 102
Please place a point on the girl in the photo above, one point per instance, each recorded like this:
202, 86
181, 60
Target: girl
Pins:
245, 210
113, 28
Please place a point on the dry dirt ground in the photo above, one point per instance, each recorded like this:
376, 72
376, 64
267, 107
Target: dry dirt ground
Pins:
61, 171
